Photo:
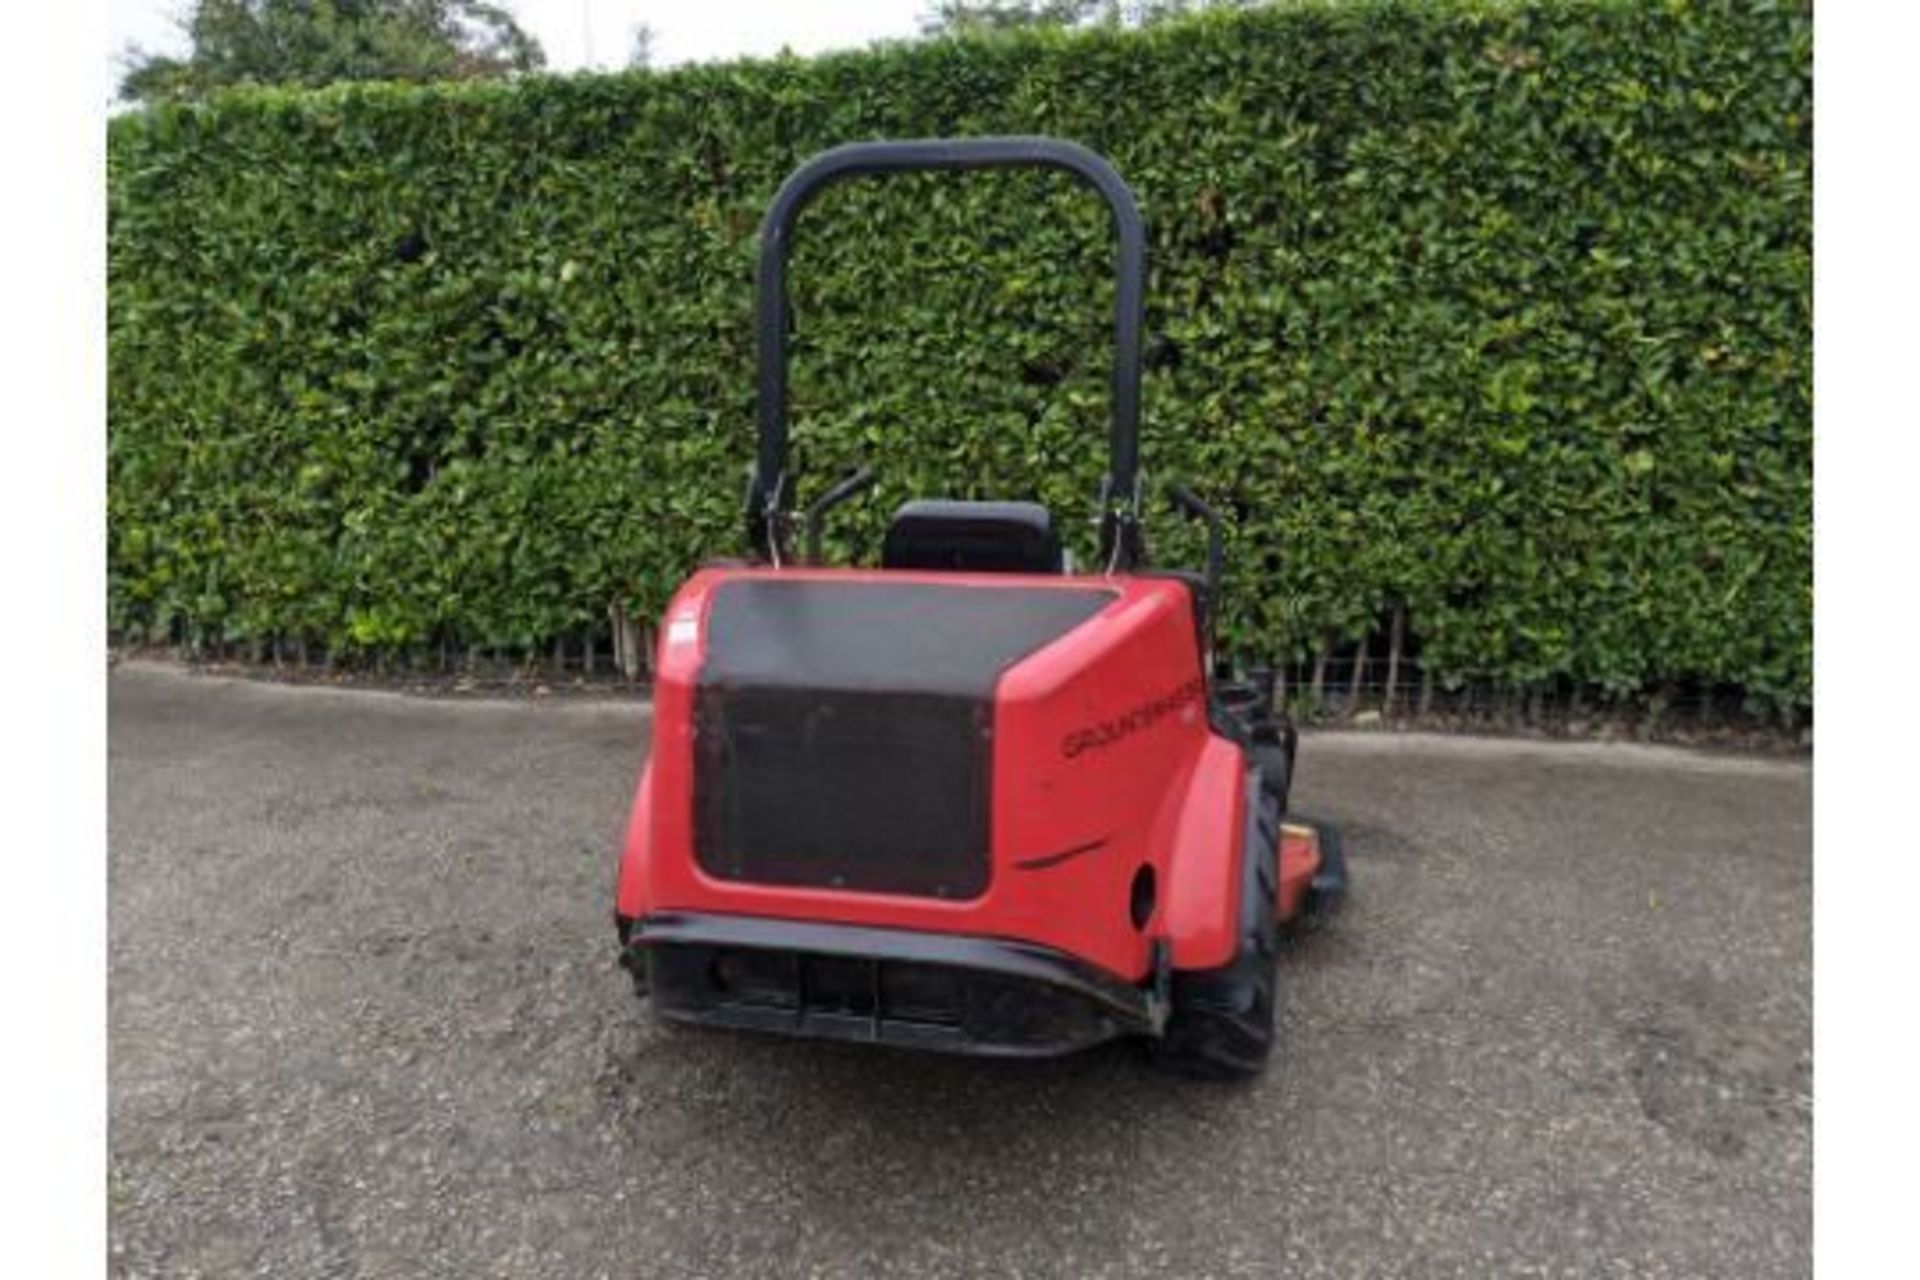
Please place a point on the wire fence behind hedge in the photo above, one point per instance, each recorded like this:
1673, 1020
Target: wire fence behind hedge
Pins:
1382, 678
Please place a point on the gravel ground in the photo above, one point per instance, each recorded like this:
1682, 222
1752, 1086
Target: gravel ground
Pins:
365, 1020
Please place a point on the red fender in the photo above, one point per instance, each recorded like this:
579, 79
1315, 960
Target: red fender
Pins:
1201, 914
630, 897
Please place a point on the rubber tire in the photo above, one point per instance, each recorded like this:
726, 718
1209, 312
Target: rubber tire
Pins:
1273, 748
1222, 1026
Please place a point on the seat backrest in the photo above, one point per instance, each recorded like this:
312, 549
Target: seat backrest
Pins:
977, 537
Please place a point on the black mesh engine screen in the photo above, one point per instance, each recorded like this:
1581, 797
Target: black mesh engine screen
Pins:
842, 730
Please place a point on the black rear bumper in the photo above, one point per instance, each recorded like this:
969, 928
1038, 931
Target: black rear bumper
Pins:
949, 992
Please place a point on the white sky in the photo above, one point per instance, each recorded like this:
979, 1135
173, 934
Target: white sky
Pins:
683, 31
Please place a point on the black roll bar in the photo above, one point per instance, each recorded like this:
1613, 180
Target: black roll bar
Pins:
771, 485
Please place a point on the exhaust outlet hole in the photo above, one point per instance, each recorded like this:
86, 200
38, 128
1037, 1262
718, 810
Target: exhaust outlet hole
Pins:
1140, 905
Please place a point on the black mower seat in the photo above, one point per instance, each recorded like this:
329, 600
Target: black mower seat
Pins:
976, 537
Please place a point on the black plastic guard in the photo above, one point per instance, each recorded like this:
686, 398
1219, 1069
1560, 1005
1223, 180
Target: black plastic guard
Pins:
843, 729
947, 992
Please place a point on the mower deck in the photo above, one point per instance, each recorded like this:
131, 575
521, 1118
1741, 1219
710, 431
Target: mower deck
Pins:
1313, 872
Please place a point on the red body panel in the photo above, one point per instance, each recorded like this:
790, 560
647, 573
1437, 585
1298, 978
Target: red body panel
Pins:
1104, 764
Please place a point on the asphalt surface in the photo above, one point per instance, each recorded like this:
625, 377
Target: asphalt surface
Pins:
365, 1020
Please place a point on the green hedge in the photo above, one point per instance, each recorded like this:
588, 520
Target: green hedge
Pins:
1498, 314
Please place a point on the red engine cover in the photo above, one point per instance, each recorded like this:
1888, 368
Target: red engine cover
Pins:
1109, 789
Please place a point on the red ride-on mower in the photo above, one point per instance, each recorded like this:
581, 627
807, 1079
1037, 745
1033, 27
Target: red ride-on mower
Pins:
967, 800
